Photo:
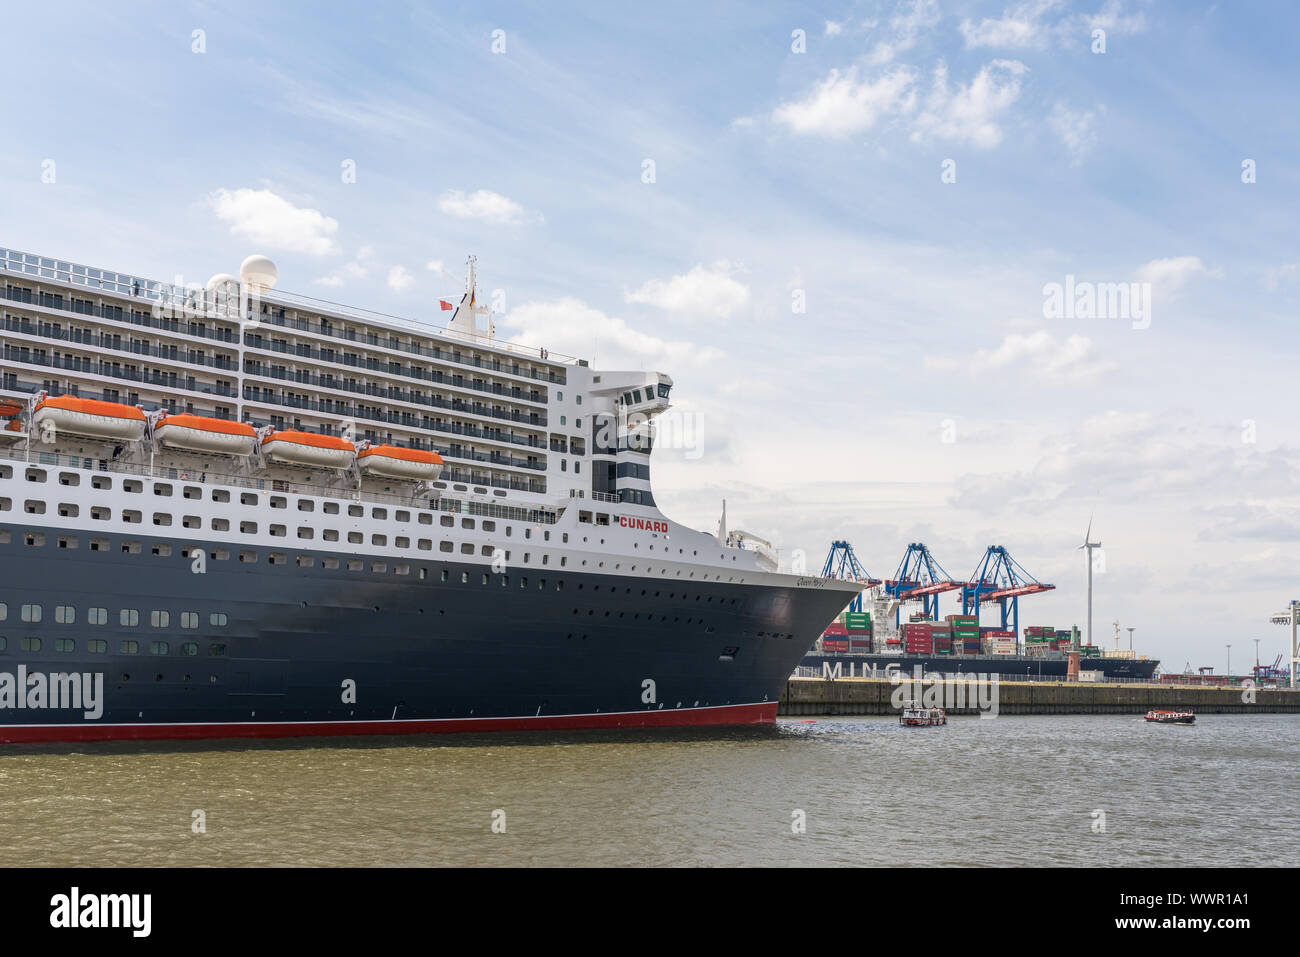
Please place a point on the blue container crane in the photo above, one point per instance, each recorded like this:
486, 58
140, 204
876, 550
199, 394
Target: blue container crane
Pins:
843, 564
919, 578
1000, 578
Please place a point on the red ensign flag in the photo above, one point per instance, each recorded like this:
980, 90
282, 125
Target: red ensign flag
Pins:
446, 306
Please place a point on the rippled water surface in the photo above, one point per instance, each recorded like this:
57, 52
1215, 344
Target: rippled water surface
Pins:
1009, 791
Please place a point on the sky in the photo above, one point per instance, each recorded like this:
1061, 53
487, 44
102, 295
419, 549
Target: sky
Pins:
841, 228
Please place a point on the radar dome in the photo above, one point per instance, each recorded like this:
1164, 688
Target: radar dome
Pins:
221, 282
259, 272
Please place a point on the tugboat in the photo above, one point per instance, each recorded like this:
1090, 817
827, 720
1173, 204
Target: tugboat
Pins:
1171, 717
914, 717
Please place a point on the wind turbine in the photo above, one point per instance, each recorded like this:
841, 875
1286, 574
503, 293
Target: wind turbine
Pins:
1088, 545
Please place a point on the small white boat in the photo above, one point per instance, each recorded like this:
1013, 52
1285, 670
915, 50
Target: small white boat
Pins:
91, 418
196, 433
308, 450
393, 461
914, 717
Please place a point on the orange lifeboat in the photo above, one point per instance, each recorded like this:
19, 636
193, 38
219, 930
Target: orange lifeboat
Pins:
110, 421
13, 431
9, 408
197, 433
393, 461
308, 450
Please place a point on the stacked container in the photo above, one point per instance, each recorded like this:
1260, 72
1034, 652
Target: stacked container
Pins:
965, 634
999, 642
858, 625
917, 638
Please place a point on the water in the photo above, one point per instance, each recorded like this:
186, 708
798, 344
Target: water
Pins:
1009, 791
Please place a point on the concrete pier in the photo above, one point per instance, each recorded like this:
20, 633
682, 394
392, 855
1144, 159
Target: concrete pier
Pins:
847, 696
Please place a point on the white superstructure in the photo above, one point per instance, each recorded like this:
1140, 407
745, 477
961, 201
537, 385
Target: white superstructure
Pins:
542, 460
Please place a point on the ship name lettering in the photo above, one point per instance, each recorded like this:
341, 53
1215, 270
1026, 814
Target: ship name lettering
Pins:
646, 523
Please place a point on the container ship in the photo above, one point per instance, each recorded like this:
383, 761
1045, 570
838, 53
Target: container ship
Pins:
867, 644
232, 511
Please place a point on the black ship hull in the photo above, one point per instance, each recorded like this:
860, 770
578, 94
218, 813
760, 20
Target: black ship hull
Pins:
151, 648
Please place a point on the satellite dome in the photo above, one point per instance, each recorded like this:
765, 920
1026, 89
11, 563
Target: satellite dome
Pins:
221, 282
259, 272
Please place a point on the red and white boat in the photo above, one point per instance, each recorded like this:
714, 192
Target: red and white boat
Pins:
92, 418
197, 433
393, 461
1170, 717
913, 717
308, 450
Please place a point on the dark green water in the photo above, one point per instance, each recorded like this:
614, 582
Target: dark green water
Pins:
1008, 791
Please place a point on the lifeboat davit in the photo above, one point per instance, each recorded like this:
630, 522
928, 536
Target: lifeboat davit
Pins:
196, 433
90, 417
393, 461
308, 450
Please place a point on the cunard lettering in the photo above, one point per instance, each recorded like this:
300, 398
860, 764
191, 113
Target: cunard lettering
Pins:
645, 523
53, 691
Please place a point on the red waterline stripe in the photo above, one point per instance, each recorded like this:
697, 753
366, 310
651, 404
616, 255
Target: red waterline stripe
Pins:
764, 713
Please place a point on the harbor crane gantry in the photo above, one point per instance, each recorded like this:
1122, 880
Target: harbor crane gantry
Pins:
1000, 578
843, 564
919, 578
1292, 617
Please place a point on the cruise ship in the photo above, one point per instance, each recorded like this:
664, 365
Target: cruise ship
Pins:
232, 511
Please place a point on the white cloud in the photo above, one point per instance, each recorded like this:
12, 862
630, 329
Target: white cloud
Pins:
1285, 273
357, 269
711, 292
571, 327
1077, 130
1169, 274
842, 105
1019, 26
1113, 20
905, 28
1044, 358
1025, 25
834, 29
399, 279
482, 204
971, 114
270, 220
